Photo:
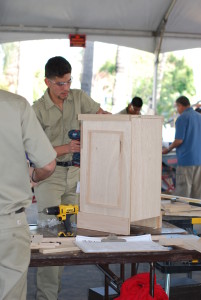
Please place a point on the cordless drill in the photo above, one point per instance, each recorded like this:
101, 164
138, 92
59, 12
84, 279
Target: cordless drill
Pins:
63, 213
75, 135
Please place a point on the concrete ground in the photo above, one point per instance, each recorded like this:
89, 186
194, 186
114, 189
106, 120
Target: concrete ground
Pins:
77, 280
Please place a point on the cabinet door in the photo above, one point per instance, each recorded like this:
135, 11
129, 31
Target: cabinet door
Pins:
105, 175
146, 167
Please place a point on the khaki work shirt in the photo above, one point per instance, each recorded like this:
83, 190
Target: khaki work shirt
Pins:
123, 112
20, 131
57, 123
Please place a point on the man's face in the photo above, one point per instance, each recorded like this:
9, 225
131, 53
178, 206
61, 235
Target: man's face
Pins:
133, 110
59, 86
179, 108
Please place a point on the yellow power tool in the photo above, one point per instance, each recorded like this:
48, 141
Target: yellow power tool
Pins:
63, 213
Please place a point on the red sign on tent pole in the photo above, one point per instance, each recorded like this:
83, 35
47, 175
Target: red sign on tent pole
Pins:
77, 40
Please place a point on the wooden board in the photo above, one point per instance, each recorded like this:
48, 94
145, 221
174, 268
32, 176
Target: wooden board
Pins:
152, 222
43, 245
59, 249
178, 198
189, 244
193, 213
52, 244
177, 207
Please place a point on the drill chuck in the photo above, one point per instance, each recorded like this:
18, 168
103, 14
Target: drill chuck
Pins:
74, 134
54, 210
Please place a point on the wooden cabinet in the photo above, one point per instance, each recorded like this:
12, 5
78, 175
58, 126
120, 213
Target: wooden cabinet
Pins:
120, 174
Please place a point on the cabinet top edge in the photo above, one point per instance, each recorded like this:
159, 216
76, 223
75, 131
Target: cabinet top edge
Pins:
110, 117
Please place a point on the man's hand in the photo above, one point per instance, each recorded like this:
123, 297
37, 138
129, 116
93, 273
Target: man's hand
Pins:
30, 175
165, 151
39, 174
175, 144
74, 146
101, 111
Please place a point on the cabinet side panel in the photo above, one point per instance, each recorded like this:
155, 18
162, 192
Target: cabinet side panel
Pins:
146, 168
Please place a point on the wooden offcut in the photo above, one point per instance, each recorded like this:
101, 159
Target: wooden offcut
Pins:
48, 245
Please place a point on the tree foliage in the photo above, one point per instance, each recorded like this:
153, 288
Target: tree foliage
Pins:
10, 67
108, 67
177, 80
38, 85
142, 87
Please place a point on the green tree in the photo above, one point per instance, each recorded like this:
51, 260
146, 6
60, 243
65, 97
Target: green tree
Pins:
38, 84
142, 87
177, 80
10, 66
108, 67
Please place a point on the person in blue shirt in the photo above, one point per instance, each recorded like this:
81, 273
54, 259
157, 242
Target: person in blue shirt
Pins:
188, 149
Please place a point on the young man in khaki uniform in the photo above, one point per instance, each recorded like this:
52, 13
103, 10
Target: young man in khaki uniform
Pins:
57, 112
133, 108
20, 132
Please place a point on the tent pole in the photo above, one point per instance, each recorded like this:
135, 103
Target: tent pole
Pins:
155, 82
159, 33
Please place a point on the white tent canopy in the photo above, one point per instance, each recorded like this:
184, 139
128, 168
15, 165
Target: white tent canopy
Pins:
132, 23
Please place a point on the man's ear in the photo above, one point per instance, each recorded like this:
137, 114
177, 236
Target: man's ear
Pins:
47, 82
130, 108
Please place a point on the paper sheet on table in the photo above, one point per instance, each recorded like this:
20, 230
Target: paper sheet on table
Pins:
132, 244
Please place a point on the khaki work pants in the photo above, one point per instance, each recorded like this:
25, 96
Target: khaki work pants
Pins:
14, 256
59, 188
188, 181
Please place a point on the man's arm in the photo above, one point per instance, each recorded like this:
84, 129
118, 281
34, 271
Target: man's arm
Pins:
175, 144
101, 111
72, 147
38, 174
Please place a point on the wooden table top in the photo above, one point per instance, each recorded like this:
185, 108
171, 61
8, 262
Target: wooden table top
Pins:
80, 258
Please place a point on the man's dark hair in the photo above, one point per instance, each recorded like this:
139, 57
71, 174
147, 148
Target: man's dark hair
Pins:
137, 102
184, 101
198, 109
57, 66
